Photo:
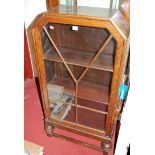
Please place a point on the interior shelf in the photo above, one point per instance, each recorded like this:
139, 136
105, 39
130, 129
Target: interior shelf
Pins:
86, 90
79, 58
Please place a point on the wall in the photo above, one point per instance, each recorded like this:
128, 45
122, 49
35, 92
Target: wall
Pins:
28, 74
123, 140
96, 3
31, 9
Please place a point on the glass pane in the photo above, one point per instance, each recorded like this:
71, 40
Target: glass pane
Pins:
63, 111
114, 4
60, 84
94, 86
67, 51
92, 104
61, 92
91, 119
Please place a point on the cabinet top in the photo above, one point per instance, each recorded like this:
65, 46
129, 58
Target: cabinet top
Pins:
112, 19
84, 12
116, 17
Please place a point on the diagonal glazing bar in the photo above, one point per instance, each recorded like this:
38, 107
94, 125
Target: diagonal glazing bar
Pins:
57, 50
95, 57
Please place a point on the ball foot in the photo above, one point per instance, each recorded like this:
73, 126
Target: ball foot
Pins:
106, 147
49, 130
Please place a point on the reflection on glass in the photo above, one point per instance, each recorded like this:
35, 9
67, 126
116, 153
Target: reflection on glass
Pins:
60, 103
114, 4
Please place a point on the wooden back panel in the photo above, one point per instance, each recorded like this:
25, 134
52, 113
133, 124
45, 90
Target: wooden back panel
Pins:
86, 39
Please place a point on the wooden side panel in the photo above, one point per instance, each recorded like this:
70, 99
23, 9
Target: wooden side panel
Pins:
32, 52
117, 77
41, 69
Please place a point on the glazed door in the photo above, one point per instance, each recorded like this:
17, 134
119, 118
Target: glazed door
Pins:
78, 63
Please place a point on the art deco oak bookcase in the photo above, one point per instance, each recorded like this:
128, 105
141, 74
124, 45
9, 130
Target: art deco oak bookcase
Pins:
80, 55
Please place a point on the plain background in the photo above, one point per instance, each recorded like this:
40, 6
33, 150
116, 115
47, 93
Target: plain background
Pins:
141, 101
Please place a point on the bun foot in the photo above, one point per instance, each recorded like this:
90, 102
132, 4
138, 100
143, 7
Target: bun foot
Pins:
106, 147
49, 130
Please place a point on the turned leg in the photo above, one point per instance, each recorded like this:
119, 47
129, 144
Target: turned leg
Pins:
106, 147
49, 130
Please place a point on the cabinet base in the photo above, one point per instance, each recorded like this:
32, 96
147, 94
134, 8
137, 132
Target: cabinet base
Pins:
105, 147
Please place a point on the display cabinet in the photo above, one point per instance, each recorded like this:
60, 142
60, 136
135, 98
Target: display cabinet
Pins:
80, 56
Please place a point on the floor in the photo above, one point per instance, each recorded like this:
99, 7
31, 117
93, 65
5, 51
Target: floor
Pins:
34, 128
